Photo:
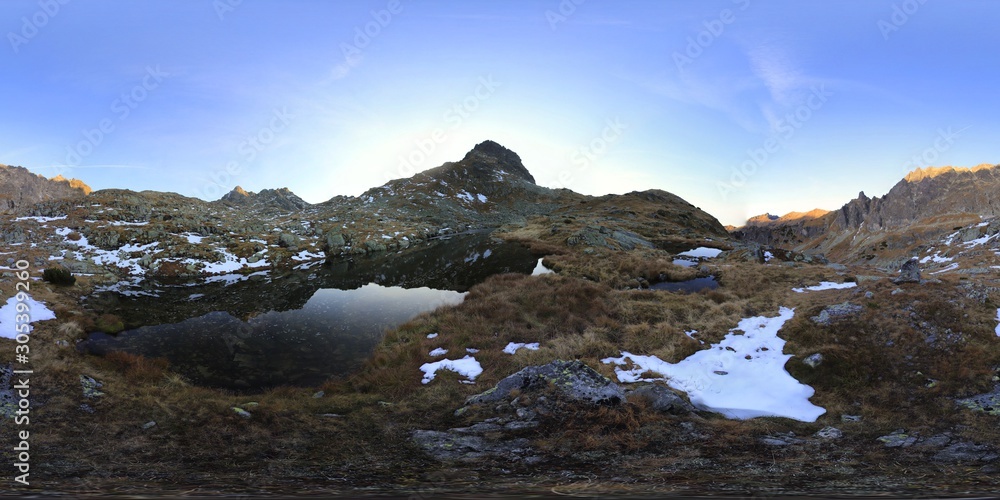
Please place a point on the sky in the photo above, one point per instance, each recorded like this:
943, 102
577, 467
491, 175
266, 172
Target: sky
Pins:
740, 107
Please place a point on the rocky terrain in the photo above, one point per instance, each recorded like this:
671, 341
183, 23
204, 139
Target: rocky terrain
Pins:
850, 352
125, 235
20, 188
934, 214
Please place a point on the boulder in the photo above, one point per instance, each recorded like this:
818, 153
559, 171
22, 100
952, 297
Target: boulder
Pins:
662, 399
988, 403
572, 380
836, 313
909, 272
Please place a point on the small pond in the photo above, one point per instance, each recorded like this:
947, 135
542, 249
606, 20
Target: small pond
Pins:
252, 332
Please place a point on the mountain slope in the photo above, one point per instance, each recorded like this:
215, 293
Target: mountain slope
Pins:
20, 188
150, 233
915, 213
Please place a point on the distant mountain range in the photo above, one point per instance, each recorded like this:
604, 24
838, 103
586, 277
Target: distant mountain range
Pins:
919, 209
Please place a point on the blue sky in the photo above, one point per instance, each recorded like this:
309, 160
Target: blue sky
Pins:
739, 106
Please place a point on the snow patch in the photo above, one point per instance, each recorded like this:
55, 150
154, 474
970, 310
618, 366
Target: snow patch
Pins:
438, 352
741, 377
9, 313
514, 346
541, 269
701, 253
825, 285
467, 367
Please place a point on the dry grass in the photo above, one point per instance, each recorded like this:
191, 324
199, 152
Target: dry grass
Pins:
572, 318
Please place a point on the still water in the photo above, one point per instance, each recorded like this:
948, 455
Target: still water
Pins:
250, 333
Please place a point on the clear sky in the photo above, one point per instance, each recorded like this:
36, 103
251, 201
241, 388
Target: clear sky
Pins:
739, 106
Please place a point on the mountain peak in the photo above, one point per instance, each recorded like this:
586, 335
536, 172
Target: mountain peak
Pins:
73, 183
490, 155
930, 172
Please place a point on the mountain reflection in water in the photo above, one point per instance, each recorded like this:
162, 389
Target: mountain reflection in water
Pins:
301, 328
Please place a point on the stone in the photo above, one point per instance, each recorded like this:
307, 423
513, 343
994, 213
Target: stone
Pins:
898, 439
288, 240
8, 401
988, 403
909, 272
813, 360
574, 380
836, 313
966, 452
318, 394
662, 399
241, 412
335, 241
830, 433
148, 425
90, 387
850, 418
450, 446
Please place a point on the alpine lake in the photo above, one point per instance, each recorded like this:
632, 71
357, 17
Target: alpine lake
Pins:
251, 332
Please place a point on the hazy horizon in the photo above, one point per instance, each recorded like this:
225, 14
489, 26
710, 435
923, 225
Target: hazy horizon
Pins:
813, 102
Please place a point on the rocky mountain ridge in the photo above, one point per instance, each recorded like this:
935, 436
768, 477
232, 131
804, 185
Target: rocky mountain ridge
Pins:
20, 188
920, 209
135, 234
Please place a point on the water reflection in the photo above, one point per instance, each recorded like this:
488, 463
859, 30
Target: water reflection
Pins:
689, 286
298, 328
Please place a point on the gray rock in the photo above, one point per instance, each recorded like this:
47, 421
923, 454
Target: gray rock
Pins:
966, 452
664, 400
241, 412
898, 439
335, 241
837, 312
90, 387
869, 295
785, 439
288, 240
909, 272
148, 425
8, 401
449, 446
850, 418
988, 403
813, 360
574, 380
829, 433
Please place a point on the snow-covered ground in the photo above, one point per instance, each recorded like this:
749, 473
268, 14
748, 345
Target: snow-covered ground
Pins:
8, 315
467, 367
701, 253
514, 346
825, 285
998, 324
541, 269
741, 377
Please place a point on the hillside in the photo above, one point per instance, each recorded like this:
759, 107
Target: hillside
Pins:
919, 212
121, 234
20, 188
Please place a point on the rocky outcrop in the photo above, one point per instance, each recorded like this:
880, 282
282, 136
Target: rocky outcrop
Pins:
279, 199
925, 193
20, 188
909, 272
